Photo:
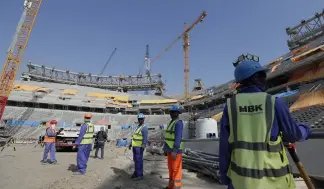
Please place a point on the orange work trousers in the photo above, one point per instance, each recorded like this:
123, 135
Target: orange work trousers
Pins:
175, 171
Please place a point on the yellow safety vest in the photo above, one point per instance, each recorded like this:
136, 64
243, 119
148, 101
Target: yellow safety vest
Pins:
88, 136
256, 162
169, 135
137, 137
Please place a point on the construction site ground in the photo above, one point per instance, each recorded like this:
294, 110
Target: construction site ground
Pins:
22, 169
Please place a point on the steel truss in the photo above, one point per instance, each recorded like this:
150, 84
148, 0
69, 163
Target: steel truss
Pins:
119, 83
306, 31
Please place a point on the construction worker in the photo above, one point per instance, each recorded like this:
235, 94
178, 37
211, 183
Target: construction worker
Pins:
49, 140
173, 148
253, 128
84, 143
101, 138
139, 140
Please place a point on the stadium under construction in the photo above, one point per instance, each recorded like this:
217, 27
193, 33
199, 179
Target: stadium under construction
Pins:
44, 93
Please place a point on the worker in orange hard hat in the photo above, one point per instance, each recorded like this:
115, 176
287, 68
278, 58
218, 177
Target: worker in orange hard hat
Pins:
84, 143
49, 140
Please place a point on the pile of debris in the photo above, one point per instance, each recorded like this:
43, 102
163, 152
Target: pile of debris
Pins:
201, 162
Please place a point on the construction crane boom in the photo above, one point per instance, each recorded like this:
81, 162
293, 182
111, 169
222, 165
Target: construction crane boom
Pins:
16, 50
188, 29
185, 36
104, 68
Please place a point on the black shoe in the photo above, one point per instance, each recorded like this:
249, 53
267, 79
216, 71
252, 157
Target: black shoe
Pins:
138, 178
133, 176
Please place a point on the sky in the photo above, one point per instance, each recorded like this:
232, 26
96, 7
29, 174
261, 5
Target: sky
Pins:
80, 35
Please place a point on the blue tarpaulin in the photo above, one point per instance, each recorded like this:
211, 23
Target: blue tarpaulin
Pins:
126, 127
284, 94
121, 143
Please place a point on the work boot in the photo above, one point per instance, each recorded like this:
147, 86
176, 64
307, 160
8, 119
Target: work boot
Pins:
133, 176
138, 178
43, 162
54, 162
78, 173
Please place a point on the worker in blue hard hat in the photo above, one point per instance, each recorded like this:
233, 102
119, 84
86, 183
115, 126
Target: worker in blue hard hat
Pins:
173, 147
139, 141
253, 128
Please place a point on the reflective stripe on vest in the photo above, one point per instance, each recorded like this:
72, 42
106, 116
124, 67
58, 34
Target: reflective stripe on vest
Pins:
169, 135
49, 138
88, 136
137, 137
256, 162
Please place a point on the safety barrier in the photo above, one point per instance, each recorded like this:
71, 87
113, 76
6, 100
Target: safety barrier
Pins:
33, 123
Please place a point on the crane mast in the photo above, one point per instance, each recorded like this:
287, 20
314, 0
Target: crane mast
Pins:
16, 50
147, 61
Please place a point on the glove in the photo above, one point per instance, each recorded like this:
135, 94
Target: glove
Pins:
143, 146
130, 147
61, 129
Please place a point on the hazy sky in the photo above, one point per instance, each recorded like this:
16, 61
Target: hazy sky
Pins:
80, 35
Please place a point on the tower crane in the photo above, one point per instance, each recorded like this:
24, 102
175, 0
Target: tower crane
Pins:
16, 50
185, 36
109, 59
147, 65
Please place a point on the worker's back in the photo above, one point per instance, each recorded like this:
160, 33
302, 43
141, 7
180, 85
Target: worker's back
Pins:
256, 162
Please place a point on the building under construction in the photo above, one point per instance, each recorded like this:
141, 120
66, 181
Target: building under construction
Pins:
44, 93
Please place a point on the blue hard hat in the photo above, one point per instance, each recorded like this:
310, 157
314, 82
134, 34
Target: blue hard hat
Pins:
246, 69
175, 108
140, 116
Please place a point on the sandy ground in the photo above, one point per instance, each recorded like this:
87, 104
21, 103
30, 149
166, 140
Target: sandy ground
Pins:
21, 169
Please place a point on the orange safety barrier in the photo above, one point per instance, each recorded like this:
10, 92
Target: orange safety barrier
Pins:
276, 61
303, 55
274, 68
175, 171
308, 99
299, 50
308, 74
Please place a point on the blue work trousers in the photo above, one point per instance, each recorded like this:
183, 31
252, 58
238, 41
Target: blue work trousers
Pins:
138, 160
83, 157
49, 147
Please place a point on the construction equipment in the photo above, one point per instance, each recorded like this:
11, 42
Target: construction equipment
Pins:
292, 151
16, 50
185, 36
147, 65
104, 68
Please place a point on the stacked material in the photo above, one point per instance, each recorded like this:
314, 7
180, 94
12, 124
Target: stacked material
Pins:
202, 162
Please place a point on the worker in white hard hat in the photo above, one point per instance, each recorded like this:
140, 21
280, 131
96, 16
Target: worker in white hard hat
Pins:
139, 141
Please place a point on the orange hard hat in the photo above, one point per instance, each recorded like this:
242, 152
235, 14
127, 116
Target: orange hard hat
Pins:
88, 116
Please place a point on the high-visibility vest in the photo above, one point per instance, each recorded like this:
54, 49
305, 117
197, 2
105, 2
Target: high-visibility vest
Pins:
169, 135
88, 136
49, 138
137, 137
256, 162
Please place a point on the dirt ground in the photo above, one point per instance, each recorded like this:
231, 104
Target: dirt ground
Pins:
21, 169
